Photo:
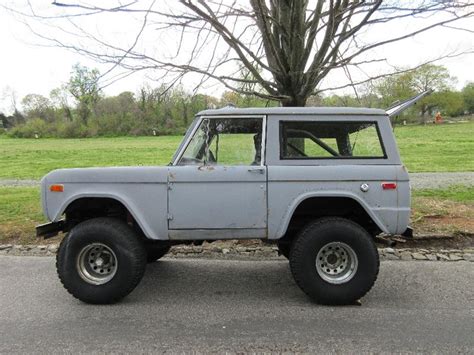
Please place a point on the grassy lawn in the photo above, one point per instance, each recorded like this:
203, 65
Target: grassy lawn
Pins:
33, 158
455, 193
447, 147
20, 211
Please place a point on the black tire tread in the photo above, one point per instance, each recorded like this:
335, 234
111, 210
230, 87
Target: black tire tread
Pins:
298, 248
135, 246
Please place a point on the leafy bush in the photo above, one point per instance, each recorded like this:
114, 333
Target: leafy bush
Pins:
33, 127
72, 130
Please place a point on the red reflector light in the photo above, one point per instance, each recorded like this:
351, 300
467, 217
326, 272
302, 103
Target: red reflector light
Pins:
389, 185
56, 188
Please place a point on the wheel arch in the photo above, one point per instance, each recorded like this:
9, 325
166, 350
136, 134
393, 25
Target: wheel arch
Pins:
79, 201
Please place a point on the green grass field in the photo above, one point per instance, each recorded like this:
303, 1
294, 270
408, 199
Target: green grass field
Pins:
463, 194
20, 211
33, 158
447, 147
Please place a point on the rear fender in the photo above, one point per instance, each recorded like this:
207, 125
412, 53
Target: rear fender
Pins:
296, 202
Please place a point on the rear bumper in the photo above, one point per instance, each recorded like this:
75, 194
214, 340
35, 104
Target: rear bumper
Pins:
49, 230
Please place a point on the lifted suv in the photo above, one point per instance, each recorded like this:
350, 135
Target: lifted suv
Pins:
320, 182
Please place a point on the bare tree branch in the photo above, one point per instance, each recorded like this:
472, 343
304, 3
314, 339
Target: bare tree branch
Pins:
287, 48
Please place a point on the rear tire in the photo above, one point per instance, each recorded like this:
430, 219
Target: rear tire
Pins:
334, 261
101, 260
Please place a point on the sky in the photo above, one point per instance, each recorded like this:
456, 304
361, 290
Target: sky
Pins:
28, 68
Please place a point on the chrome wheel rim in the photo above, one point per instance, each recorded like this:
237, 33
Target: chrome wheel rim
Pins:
96, 264
336, 263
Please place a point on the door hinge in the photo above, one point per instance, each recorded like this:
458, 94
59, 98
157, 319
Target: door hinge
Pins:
170, 216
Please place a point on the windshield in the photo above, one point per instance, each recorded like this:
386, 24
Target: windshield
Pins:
225, 141
185, 138
198, 149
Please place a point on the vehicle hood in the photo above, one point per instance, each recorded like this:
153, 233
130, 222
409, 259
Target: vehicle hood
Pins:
117, 175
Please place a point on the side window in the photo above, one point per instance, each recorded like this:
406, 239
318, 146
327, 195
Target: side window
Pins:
323, 140
225, 141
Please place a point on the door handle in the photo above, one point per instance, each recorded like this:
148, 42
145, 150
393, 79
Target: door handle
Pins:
259, 170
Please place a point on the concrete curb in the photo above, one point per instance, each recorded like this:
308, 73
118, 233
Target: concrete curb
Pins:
259, 252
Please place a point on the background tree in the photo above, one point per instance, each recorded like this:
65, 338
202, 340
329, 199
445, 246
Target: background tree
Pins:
167, 110
84, 87
9, 95
468, 97
395, 88
288, 47
435, 77
60, 98
392, 89
450, 103
37, 106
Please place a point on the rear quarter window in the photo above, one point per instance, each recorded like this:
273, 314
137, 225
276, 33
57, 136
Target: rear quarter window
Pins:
330, 140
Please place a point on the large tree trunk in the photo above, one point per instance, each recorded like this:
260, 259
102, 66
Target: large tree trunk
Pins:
294, 101
424, 109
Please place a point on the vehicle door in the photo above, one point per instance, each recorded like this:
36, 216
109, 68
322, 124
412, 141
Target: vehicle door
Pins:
219, 181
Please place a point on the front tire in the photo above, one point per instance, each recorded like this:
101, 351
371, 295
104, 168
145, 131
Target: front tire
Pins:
101, 260
334, 261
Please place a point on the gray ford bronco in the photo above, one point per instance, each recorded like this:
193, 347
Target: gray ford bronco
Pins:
321, 183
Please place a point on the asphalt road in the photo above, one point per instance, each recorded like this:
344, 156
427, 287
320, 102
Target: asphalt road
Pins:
245, 306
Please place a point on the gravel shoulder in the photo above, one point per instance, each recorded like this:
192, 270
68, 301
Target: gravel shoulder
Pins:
418, 180
233, 251
18, 183
440, 180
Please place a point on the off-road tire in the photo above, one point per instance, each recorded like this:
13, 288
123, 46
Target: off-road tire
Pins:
155, 252
122, 240
316, 236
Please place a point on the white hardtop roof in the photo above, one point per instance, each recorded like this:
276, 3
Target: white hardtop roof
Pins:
233, 111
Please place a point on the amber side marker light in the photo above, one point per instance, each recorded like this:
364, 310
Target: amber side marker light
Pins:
389, 185
56, 188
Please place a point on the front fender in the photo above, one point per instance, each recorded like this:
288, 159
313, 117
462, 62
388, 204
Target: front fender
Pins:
145, 202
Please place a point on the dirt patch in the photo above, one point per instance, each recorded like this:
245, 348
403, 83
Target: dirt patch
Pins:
442, 223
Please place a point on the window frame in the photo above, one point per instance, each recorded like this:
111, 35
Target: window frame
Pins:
202, 118
340, 157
